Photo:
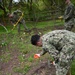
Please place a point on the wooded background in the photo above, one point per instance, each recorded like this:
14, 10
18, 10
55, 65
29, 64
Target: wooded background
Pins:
34, 10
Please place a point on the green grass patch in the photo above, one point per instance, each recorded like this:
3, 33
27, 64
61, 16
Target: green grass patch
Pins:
73, 68
31, 25
30, 59
5, 57
44, 24
23, 70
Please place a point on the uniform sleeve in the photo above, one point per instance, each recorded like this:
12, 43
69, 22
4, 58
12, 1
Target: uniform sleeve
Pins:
51, 50
43, 52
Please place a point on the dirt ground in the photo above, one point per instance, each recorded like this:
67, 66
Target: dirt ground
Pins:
41, 69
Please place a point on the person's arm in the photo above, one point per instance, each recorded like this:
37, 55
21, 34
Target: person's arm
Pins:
51, 49
39, 54
43, 52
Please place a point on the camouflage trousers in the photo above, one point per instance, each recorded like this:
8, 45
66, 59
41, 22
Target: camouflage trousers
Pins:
69, 25
24, 25
65, 59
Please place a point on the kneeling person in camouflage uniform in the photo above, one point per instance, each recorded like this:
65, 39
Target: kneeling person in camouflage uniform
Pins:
60, 44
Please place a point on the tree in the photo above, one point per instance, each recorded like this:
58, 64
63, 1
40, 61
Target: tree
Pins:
2, 6
6, 6
10, 6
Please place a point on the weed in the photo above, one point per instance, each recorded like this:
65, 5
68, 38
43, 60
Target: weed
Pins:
23, 70
30, 59
5, 57
21, 58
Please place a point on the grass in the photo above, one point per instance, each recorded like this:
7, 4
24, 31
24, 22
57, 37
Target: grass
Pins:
73, 68
12, 41
32, 25
5, 57
30, 59
44, 24
22, 70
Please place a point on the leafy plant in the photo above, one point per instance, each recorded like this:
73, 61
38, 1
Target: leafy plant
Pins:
30, 59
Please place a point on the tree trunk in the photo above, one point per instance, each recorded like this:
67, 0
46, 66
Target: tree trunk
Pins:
10, 6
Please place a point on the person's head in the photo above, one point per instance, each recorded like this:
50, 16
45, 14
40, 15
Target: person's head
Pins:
36, 40
67, 1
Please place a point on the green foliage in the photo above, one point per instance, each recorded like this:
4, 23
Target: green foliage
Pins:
32, 9
17, 69
41, 5
73, 68
1, 13
3, 44
2, 29
5, 57
23, 70
21, 58
30, 59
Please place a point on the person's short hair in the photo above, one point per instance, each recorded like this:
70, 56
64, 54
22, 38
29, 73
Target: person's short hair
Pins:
35, 39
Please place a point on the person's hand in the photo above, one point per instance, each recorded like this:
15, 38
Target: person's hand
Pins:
60, 17
53, 62
36, 56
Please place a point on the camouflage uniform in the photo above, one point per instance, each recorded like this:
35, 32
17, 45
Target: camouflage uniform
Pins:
16, 15
60, 44
69, 17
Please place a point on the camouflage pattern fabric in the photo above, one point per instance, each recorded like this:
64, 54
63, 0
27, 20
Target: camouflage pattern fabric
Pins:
69, 25
16, 15
69, 17
61, 45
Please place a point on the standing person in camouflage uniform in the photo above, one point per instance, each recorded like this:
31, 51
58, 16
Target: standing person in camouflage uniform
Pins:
15, 16
60, 44
69, 15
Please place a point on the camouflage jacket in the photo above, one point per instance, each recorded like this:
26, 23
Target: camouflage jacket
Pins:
54, 41
69, 12
16, 15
